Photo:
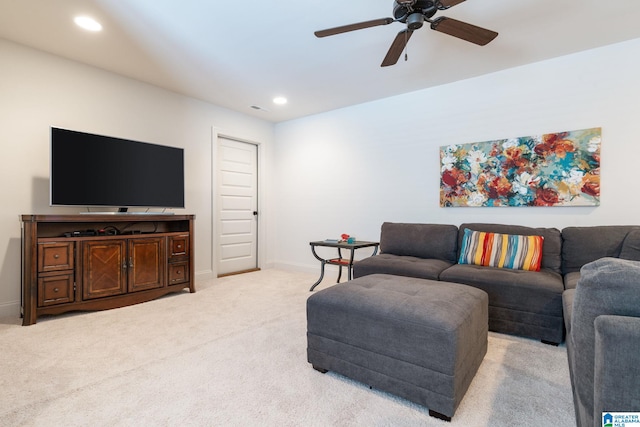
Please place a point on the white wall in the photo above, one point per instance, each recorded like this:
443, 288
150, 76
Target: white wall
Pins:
349, 170
38, 90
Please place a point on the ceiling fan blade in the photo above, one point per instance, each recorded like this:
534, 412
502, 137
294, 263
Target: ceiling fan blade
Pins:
446, 4
353, 27
397, 47
462, 30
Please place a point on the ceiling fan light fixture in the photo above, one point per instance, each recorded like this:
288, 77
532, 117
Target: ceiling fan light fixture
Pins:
415, 21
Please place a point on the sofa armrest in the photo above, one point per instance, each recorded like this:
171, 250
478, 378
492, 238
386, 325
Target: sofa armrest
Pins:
608, 286
617, 365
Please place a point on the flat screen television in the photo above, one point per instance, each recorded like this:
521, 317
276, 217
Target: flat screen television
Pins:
96, 170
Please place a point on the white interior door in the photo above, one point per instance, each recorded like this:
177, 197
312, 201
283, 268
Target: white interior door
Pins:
237, 206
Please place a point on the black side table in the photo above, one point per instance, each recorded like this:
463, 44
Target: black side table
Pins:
339, 261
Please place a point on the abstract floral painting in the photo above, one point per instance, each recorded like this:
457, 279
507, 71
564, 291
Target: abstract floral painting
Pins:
555, 169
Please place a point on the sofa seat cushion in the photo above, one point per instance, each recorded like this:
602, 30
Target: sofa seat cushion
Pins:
571, 279
400, 266
526, 303
567, 307
537, 291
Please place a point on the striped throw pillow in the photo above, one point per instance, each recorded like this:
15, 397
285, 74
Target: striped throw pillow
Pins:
501, 250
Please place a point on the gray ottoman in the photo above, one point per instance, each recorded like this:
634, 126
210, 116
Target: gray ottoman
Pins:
422, 340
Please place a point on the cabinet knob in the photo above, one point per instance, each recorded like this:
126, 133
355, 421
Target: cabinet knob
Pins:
56, 256
55, 289
179, 272
179, 246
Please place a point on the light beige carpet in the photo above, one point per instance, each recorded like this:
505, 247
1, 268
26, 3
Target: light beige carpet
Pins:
234, 354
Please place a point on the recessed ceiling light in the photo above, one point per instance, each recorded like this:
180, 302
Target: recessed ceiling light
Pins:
280, 100
87, 23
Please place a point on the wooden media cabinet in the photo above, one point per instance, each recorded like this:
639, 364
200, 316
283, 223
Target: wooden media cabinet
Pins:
102, 261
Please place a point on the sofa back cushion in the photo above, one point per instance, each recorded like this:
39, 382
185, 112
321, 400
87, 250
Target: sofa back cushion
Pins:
438, 241
631, 246
551, 249
582, 245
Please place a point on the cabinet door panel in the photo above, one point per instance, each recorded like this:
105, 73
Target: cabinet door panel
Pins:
146, 263
104, 268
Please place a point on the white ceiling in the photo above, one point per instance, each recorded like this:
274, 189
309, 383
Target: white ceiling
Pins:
238, 54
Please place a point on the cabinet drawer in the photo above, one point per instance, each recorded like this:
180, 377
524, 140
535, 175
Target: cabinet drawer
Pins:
178, 246
56, 289
55, 256
178, 272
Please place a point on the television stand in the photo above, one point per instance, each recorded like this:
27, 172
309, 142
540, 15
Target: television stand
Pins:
103, 261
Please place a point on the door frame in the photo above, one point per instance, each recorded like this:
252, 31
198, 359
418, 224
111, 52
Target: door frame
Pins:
260, 244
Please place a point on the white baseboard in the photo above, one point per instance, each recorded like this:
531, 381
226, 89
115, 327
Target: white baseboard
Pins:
268, 265
10, 309
204, 275
303, 268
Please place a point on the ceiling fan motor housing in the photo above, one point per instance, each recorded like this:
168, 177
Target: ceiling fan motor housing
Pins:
403, 11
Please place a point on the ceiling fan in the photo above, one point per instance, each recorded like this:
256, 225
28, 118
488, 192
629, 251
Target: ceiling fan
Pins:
414, 13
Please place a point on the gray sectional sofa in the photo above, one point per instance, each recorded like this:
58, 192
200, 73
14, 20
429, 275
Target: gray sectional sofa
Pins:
588, 285
525, 303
